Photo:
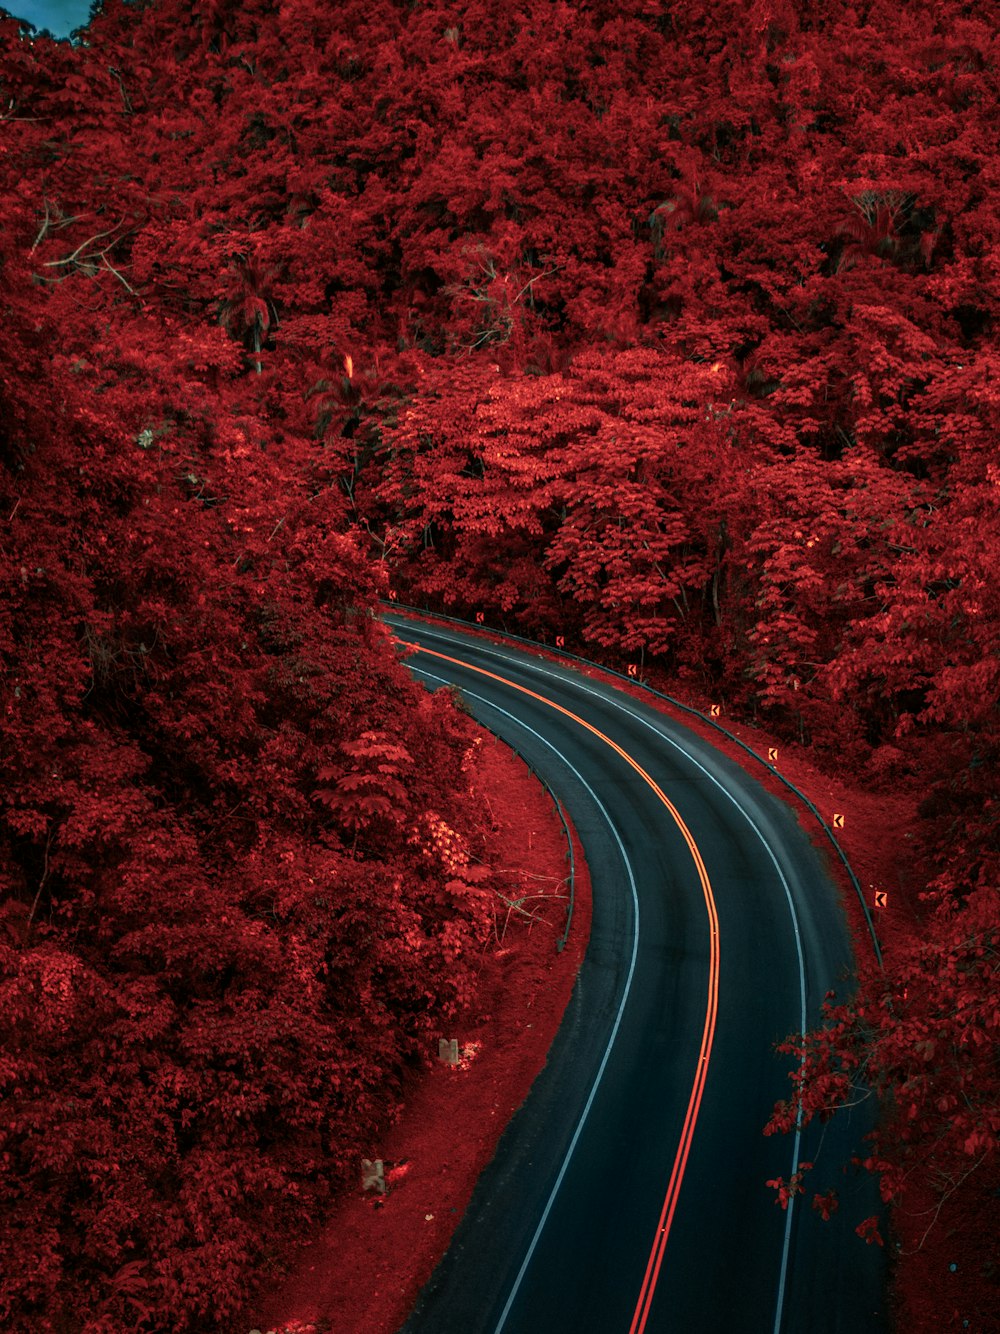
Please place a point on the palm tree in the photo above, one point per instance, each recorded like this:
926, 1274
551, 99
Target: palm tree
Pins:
689, 204
888, 224
249, 311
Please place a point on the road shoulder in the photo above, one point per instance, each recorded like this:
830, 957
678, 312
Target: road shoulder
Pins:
364, 1269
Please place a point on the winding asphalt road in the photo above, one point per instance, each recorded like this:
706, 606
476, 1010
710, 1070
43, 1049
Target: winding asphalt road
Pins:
628, 1192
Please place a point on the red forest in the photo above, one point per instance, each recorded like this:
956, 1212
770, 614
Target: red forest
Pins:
668, 327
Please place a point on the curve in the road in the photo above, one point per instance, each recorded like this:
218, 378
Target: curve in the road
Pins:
660, 1240
557, 1238
666, 1219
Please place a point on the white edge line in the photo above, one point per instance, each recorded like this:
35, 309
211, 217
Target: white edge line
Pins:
571, 677
621, 1007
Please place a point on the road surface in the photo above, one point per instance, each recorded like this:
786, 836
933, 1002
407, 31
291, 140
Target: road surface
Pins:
628, 1193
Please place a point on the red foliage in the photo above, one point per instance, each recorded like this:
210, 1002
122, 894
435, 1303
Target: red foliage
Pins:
670, 333
431, 1167
923, 1036
212, 971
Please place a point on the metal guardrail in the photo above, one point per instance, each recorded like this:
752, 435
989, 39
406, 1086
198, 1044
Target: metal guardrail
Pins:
571, 858
677, 704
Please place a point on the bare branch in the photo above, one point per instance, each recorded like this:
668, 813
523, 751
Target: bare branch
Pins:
111, 269
51, 223
9, 114
45, 876
126, 101
99, 254
43, 230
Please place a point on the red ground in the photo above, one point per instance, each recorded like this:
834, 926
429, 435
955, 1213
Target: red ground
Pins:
363, 1273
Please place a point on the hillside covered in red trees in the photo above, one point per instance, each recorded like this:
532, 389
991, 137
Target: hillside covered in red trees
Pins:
668, 328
